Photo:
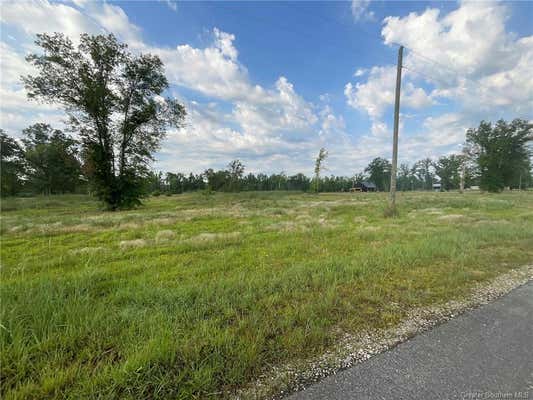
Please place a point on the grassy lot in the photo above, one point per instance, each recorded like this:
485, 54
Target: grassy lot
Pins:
193, 296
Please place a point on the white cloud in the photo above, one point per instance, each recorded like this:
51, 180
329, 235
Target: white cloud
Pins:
28, 18
377, 93
34, 17
213, 71
468, 55
113, 19
360, 10
262, 122
271, 126
12, 65
472, 62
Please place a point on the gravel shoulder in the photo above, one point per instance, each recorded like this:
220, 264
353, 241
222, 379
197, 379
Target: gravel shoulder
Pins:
352, 350
484, 353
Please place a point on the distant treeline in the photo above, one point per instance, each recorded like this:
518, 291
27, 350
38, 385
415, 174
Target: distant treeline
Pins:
47, 161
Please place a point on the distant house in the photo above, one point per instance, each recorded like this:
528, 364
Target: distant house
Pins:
437, 187
364, 187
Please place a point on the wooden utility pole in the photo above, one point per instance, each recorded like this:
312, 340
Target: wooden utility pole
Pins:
395, 135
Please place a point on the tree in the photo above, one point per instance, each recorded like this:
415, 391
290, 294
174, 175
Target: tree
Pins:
322, 155
52, 160
379, 171
405, 177
113, 99
12, 167
236, 171
500, 152
358, 179
448, 168
298, 182
217, 180
423, 171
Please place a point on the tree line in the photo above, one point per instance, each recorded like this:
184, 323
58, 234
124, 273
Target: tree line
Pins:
48, 161
114, 102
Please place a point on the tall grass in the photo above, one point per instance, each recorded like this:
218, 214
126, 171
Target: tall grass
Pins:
183, 316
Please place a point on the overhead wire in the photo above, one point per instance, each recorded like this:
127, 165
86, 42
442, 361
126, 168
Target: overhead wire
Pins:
457, 74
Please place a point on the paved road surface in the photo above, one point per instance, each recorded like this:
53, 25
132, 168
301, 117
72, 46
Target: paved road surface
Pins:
486, 353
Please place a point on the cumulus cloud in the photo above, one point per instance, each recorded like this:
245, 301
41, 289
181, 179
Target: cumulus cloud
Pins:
33, 17
468, 55
266, 124
377, 93
470, 60
26, 19
271, 126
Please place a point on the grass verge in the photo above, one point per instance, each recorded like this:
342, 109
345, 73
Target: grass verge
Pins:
196, 296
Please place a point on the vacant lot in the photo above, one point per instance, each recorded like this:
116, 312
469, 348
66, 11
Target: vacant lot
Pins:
194, 296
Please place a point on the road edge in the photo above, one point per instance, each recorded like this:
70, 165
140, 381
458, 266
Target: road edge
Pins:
355, 348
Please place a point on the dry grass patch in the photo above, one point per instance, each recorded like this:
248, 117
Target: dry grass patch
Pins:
287, 226
211, 237
128, 226
164, 236
87, 250
163, 221
131, 244
453, 218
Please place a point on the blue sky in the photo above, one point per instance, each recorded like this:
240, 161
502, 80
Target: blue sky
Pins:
272, 82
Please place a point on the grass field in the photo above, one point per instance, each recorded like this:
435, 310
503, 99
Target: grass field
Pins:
195, 295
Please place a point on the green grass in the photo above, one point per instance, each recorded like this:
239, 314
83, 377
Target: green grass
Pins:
93, 306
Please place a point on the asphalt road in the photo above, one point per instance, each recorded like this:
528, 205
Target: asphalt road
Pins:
486, 353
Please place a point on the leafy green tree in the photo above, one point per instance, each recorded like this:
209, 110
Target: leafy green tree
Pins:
423, 169
379, 171
448, 168
322, 155
501, 152
176, 183
358, 178
217, 180
52, 160
12, 166
299, 182
113, 99
405, 177
236, 171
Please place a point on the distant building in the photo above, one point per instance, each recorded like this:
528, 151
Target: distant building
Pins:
364, 187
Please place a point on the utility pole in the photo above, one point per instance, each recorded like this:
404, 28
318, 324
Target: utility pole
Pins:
395, 135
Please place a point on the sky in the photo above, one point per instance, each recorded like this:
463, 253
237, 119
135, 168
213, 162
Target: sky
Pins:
270, 83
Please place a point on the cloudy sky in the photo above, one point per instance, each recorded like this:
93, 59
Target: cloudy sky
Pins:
270, 83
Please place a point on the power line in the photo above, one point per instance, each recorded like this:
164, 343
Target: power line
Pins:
457, 73
429, 77
443, 83
433, 61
